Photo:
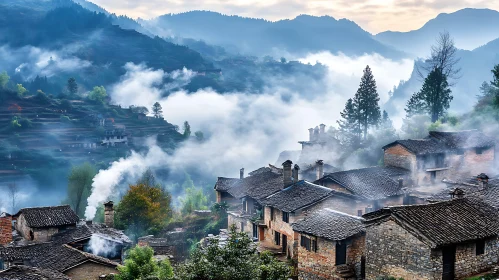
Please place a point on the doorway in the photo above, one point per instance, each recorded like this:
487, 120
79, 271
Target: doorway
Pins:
284, 243
449, 260
341, 252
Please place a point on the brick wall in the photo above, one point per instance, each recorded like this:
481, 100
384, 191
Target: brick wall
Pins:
321, 265
5, 230
393, 251
235, 219
398, 156
278, 225
89, 271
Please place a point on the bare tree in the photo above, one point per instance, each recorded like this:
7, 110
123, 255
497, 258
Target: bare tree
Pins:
13, 190
443, 56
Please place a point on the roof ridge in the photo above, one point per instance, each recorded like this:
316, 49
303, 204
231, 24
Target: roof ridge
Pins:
344, 214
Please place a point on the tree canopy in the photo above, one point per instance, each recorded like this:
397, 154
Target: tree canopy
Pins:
72, 86
98, 94
157, 110
79, 186
140, 265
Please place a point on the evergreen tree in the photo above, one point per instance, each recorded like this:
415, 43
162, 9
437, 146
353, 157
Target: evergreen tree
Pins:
72, 86
349, 125
366, 102
4, 79
157, 110
434, 97
495, 72
187, 130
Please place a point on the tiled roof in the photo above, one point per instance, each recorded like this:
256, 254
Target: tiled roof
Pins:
441, 142
368, 183
330, 224
38, 217
62, 258
297, 196
85, 231
444, 223
224, 184
309, 173
21, 272
260, 184
28, 252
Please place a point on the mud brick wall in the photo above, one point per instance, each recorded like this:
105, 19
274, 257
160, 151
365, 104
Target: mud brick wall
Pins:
398, 156
5, 230
90, 271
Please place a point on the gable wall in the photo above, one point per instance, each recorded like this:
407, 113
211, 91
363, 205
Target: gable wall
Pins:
89, 271
398, 156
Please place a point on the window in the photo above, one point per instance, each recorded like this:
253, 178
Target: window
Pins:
277, 238
1, 265
314, 245
255, 231
271, 213
305, 242
479, 151
359, 213
480, 247
285, 217
369, 209
242, 226
460, 152
433, 175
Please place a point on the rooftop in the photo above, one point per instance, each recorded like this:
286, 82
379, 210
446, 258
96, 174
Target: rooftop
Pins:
443, 223
85, 231
224, 184
258, 185
369, 183
31, 273
297, 196
53, 216
330, 224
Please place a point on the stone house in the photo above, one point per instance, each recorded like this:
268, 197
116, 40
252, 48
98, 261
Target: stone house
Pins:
41, 223
114, 137
443, 240
31, 273
222, 187
442, 155
331, 246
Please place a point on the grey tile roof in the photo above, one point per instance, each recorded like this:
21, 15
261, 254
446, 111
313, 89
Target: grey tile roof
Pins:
441, 142
85, 231
28, 252
39, 217
260, 184
369, 183
309, 172
444, 223
224, 184
297, 196
330, 224
21, 272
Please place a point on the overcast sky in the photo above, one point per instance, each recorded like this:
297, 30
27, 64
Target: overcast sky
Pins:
372, 15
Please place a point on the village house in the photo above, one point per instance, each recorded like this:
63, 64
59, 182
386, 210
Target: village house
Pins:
115, 136
442, 155
31, 273
320, 145
222, 187
41, 223
331, 246
444, 240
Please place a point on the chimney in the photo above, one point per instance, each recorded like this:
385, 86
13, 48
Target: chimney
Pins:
296, 170
316, 133
5, 229
323, 128
109, 214
286, 173
311, 134
241, 173
483, 181
89, 222
320, 169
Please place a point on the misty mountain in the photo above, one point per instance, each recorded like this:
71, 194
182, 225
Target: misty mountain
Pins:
298, 36
475, 67
470, 29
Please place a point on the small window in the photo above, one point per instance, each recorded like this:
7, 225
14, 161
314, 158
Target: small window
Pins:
305, 242
480, 247
271, 213
285, 217
460, 152
359, 213
479, 151
255, 231
314, 245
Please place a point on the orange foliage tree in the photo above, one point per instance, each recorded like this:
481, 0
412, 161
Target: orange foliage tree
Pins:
143, 210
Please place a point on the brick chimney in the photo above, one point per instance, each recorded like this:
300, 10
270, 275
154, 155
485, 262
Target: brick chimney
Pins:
5, 229
310, 134
109, 214
320, 169
296, 171
241, 173
287, 174
483, 181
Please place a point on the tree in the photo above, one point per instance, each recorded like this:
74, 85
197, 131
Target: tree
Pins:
139, 109
20, 90
13, 190
140, 264
157, 110
443, 56
4, 79
237, 259
72, 86
79, 186
98, 94
143, 209
348, 126
194, 200
434, 97
199, 136
187, 130
365, 103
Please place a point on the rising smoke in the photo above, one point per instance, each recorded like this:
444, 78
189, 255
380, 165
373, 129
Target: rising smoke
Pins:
244, 129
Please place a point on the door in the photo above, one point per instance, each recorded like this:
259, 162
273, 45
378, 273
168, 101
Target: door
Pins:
449, 259
341, 252
284, 243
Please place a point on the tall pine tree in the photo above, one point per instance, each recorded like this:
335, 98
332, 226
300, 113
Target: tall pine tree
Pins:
366, 102
434, 97
348, 126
